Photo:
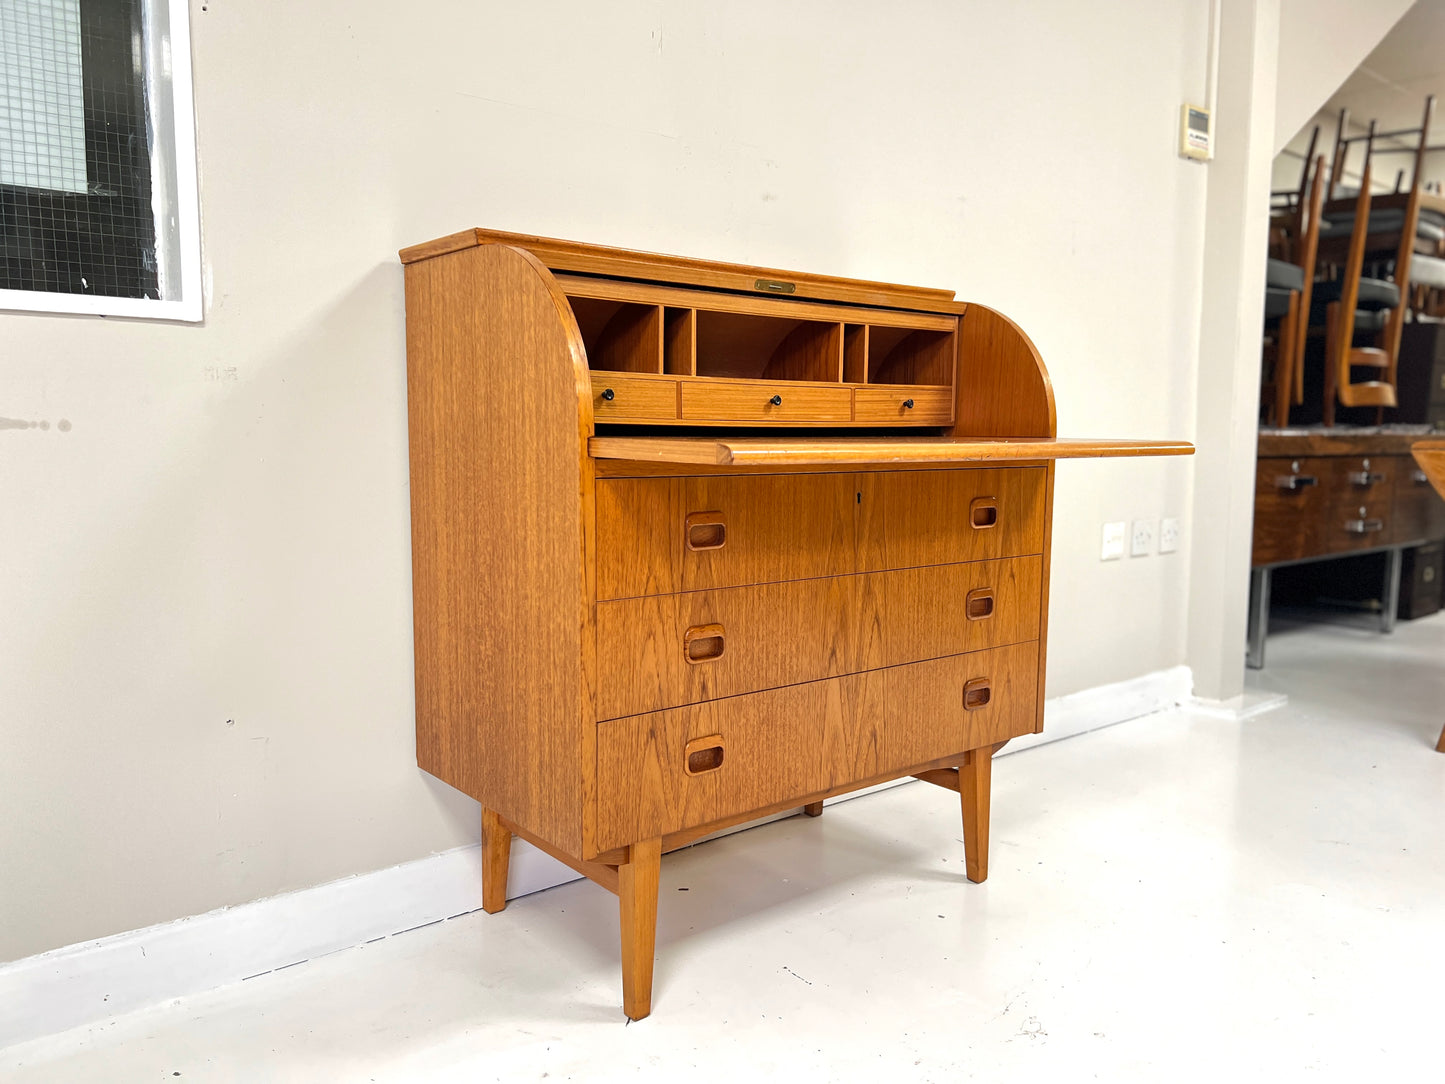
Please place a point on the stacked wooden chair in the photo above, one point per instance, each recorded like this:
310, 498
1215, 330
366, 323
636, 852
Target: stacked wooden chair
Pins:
1289, 286
1385, 236
1350, 265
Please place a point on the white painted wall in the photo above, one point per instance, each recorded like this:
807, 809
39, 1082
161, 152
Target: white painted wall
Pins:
1237, 216
205, 657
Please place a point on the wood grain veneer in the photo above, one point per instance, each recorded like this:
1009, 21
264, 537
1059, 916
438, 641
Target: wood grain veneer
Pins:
783, 452
803, 630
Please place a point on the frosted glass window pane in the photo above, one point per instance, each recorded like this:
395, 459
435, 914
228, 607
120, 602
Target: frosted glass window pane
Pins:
42, 115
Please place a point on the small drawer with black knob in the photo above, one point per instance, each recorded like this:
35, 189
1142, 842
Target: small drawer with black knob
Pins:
628, 397
765, 402
903, 405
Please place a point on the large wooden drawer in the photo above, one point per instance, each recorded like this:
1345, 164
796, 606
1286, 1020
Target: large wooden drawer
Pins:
671, 770
1315, 506
668, 650
1419, 512
658, 535
931, 517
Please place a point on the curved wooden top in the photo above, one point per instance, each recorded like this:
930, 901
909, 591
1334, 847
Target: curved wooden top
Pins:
656, 267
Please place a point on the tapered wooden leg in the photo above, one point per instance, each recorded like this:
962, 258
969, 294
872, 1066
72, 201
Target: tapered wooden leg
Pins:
637, 902
1440, 745
496, 853
813, 809
974, 779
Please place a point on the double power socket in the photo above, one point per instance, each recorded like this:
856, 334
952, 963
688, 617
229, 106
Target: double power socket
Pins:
1140, 538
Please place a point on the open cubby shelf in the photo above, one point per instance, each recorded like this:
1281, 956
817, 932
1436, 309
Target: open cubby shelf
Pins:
723, 360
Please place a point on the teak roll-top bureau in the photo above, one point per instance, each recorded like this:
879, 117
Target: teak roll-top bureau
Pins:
694, 543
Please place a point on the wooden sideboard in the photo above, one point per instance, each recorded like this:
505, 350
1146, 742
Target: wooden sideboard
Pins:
695, 543
1326, 493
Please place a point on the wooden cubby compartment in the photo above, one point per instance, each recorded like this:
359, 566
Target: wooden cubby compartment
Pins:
901, 355
679, 345
742, 345
620, 336
855, 353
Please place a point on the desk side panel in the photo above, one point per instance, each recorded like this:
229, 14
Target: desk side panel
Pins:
1003, 387
498, 489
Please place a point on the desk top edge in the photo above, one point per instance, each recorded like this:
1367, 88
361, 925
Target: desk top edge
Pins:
800, 451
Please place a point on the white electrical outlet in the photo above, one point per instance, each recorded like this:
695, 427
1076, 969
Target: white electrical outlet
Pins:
1168, 534
1141, 540
1113, 547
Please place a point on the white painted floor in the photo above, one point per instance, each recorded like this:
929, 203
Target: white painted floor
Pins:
1177, 898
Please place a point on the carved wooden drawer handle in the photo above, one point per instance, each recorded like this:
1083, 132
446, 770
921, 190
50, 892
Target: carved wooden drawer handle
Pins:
977, 693
703, 643
983, 512
979, 604
704, 754
706, 531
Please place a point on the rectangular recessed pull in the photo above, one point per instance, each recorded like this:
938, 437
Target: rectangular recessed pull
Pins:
977, 693
704, 754
983, 512
706, 531
1364, 526
703, 643
1366, 478
1295, 481
979, 604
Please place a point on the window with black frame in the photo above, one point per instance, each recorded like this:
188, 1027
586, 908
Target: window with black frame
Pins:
89, 157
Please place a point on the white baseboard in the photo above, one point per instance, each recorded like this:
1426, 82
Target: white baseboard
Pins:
94, 980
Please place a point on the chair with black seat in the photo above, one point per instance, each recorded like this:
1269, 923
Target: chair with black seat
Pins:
1287, 300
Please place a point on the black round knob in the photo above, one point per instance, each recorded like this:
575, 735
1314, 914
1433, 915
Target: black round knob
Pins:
776, 400
609, 394
908, 404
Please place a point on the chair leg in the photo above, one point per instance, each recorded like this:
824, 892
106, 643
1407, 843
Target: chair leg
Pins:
1284, 361
637, 880
975, 779
1332, 312
496, 856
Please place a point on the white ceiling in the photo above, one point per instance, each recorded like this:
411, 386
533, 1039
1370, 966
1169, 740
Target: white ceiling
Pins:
1389, 87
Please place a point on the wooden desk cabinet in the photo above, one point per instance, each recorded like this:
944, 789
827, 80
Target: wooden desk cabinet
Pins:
694, 543
1320, 494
